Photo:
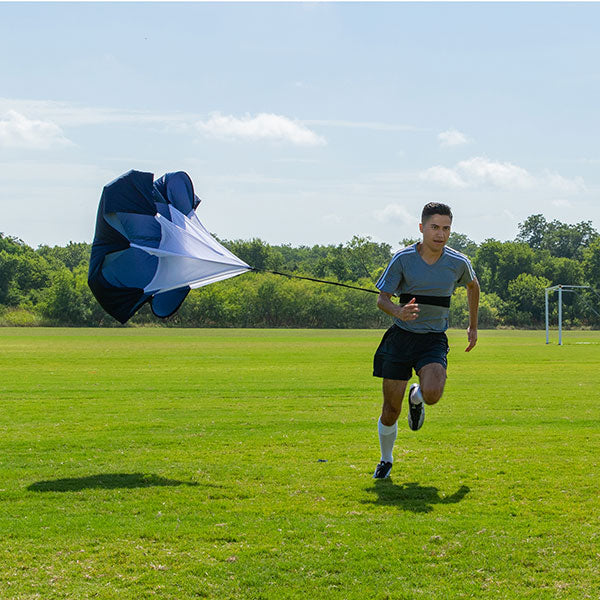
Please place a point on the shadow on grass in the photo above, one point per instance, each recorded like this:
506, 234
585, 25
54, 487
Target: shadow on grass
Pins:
105, 481
412, 496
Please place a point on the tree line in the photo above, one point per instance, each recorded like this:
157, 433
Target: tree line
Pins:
48, 285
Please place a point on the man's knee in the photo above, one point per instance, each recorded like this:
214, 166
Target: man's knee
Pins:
393, 393
389, 415
432, 379
432, 393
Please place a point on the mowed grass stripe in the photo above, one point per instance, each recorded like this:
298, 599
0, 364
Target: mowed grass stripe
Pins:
187, 463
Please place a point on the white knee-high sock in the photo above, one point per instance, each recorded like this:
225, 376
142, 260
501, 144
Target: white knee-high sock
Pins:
387, 437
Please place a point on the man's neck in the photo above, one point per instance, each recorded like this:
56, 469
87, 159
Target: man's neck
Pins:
427, 254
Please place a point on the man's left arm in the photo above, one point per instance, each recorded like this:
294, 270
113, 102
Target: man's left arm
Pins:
473, 301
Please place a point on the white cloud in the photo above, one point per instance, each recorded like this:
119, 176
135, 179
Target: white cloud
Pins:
444, 176
561, 203
66, 114
561, 184
18, 131
481, 171
263, 126
292, 160
396, 213
500, 174
452, 137
373, 125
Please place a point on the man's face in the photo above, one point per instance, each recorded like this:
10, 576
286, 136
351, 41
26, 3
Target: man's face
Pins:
436, 231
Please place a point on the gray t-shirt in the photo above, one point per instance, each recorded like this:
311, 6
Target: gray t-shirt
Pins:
408, 273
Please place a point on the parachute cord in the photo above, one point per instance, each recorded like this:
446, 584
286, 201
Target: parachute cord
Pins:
352, 287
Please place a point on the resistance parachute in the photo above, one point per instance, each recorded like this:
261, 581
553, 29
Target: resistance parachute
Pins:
149, 246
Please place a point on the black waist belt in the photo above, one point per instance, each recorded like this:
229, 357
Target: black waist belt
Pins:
435, 300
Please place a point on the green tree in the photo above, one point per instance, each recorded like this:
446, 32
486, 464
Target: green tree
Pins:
560, 239
462, 243
69, 301
366, 256
568, 241
486, 263
256, 253
13, 245
533, 230
33, 272
71, 256
335, 265
22, 272
60, 303
591, 264
527, 299
491, 310
497, 263
9, 290
566, 271
405, 242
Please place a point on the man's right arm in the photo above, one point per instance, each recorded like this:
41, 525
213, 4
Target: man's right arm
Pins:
406, 312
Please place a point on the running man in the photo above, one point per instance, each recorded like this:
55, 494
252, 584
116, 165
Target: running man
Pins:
424, 276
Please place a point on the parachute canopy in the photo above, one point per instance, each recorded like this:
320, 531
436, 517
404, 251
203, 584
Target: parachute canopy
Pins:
149, 246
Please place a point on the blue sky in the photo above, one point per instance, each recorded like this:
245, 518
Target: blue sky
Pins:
300, 122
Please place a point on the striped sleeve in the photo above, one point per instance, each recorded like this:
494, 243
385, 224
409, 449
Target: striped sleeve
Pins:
467, 274
392, 276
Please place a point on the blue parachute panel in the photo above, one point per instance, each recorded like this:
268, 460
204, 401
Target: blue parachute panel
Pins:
177, 189
143, 230
162, 208
166, 303
131, 193
130, 268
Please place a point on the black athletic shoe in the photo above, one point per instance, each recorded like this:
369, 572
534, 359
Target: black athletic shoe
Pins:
383, 470
416, 412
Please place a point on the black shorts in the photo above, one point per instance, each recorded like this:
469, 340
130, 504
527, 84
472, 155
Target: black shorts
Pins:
402, 351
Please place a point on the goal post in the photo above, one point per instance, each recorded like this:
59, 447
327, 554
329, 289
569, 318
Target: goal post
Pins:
560, 289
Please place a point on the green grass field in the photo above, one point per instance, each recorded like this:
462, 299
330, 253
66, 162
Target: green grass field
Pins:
165, 463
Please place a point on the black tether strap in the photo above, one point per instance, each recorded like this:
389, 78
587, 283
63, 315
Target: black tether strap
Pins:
352, 287
435, 300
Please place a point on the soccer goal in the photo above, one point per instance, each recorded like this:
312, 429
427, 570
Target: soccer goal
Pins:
560, 289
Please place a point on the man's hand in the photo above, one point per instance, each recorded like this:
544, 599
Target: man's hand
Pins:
472, 337
409, 312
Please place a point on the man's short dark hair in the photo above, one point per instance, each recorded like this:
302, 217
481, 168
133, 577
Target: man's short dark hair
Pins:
435, 208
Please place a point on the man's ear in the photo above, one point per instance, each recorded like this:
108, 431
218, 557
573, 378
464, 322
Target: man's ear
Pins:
421, 227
